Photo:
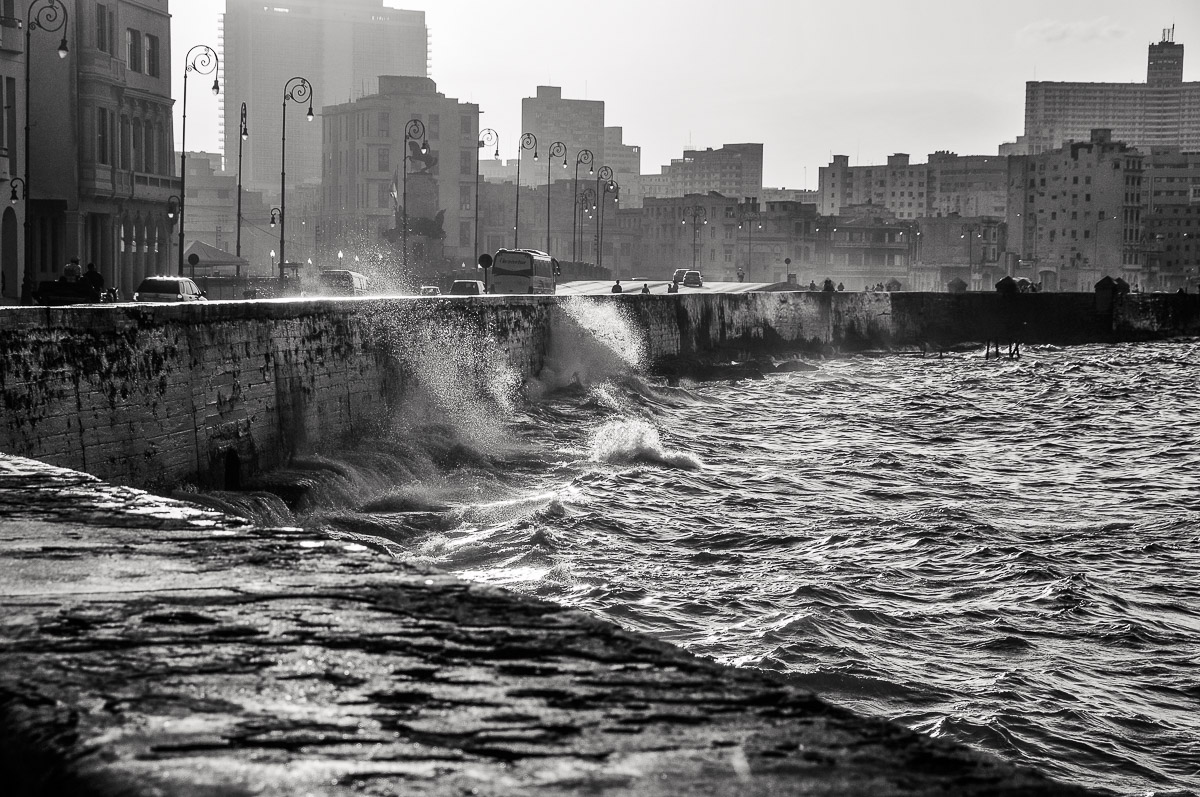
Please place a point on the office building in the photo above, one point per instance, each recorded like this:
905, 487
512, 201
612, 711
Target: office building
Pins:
948, 183
1171, 219
340, 47
1163, 111
578, 124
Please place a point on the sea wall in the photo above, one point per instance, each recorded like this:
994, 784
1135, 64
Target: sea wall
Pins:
155, 395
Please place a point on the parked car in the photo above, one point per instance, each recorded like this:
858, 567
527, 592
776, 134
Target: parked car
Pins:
168, 289
678, 275
340, 282
431, 290
693, 279
467, 288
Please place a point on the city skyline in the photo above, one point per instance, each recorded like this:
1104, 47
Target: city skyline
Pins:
915, 78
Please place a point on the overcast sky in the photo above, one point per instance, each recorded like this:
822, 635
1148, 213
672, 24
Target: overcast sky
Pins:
865, 78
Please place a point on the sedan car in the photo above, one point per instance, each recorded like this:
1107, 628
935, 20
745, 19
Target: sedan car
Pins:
168, 289
431, 290
678, 275
692, 279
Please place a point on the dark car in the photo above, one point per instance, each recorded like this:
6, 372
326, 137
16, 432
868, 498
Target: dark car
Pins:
678, 275
168, 289
692, 279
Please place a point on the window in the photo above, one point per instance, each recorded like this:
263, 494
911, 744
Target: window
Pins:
126, 155
102, 154
133, 50
385, 157
385, 124
383, 196
151, 55
103, 31
466, 162
465, 125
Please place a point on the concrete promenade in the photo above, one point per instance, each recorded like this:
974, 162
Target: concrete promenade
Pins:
151, 648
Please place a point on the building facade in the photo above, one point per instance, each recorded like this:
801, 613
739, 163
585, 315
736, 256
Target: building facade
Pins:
733, 170
12, 149
1171, 219
948, 183
212, 210
1163, 111
109, 102
371, 169
578, 124
1075, 216
340, 48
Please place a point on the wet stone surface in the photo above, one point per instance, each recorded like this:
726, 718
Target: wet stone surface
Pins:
152, 648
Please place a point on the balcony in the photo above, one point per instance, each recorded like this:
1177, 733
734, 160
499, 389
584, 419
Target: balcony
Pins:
12, 38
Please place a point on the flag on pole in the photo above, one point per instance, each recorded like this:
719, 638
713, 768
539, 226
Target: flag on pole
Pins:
395, 187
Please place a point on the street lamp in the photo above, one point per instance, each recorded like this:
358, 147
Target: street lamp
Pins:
750, 219
557, 150
15, 182
603, 175
487, 138
245, 134
203, 62
51, 16
583, 201
699, 216
297, 89
969, 233
584, 157
413, 131
276, 216
615, 189
528, 141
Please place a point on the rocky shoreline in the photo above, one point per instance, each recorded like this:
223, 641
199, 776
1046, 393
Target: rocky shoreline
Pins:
151, 647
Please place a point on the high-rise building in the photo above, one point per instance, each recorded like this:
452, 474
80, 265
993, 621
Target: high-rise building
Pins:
340, 47
578, 124
734, 170
101, 162
1171, 219
1163, 111
626, 162
371, 167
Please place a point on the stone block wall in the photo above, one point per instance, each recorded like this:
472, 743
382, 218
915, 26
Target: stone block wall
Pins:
155, 395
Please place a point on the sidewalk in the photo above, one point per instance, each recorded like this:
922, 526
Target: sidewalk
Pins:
152, 648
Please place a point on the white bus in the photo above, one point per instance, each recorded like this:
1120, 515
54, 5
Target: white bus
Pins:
523, 271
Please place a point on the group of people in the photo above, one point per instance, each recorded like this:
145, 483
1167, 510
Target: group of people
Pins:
91, 280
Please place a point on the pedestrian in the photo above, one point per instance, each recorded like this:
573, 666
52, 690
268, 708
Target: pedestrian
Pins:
645, 287
841, 287
616, 288
94, 279
72, 272
741, 275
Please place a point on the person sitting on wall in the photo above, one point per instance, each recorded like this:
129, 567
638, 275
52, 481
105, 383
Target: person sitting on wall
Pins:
616, 288
71, 272
673, 287
812, 285
841, 287
828, 285
645, 287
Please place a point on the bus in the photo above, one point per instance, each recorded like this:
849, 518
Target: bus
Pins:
523, 271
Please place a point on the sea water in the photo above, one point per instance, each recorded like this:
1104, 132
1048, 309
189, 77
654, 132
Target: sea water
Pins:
1003, 553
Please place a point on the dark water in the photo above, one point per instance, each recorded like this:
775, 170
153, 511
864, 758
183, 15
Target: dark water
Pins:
1003, 553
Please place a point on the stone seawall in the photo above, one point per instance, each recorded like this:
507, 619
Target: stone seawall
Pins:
155, 395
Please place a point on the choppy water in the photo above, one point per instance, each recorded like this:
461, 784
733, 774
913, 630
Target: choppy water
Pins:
1003, 553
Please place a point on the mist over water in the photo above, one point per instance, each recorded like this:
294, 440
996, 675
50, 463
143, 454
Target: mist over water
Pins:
1001, 553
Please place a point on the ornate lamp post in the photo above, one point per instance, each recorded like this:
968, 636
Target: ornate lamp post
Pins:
487, 138
52, 16
750, 220
583, 201
17, 181
202, 60
174, 203
413, 131
613, 187
699, 216
604, 175
968, 234
245, 133
528, 141
583, 158
557, 150
297, 89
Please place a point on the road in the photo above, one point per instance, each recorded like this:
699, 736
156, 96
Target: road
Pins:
596, 287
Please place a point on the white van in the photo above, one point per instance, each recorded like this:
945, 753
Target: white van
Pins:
339, 282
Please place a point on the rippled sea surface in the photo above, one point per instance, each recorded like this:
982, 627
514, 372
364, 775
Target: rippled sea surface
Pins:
1004, 553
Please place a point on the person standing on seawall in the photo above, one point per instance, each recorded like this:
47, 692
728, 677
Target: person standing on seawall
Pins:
645, 287
94, 280
616, 288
